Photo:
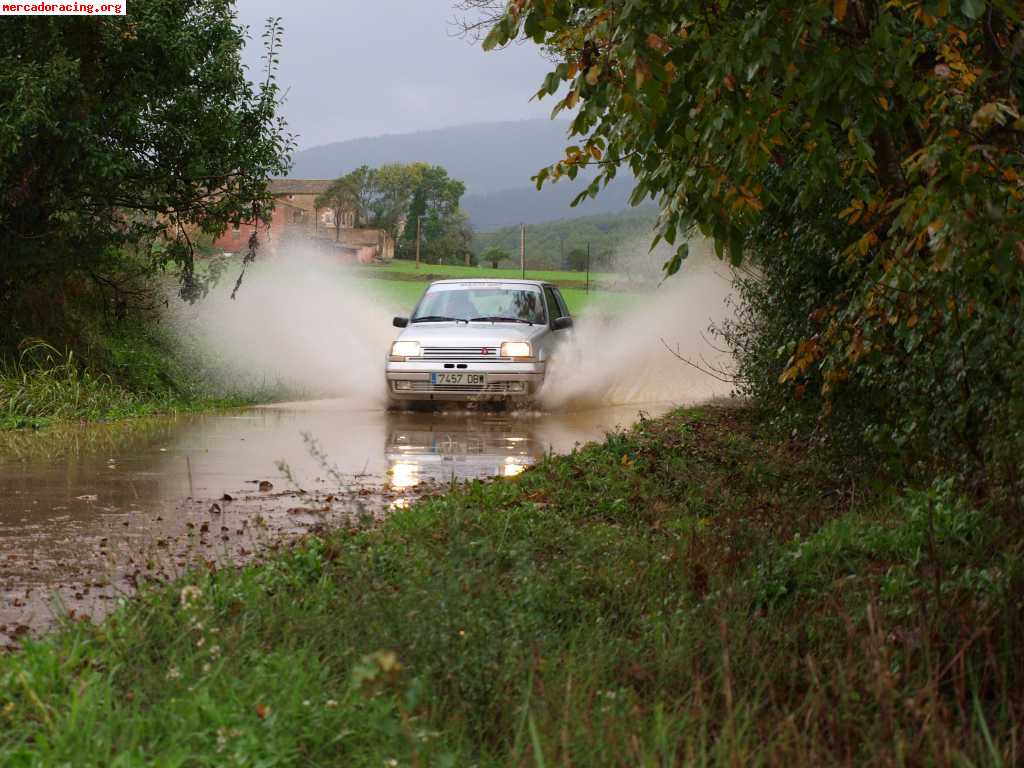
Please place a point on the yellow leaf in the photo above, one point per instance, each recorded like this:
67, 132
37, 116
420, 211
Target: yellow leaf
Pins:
839, 9
986, 115
655, 42
884, 102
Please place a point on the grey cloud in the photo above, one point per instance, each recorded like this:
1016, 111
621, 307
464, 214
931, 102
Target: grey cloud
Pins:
355, 69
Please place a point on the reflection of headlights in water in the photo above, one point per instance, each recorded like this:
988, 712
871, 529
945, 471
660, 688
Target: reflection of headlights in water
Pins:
512, 467
405, 474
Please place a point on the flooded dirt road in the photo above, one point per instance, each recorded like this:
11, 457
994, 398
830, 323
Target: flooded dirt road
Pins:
87, 513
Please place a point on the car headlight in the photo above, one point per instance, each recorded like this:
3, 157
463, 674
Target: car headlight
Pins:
516, 349
405, 349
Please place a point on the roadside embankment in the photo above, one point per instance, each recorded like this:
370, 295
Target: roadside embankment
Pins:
84, 365
693, 591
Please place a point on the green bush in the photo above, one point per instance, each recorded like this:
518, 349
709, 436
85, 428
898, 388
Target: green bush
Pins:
864, 160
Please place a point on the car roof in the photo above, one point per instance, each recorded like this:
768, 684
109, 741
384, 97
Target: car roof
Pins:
491, 281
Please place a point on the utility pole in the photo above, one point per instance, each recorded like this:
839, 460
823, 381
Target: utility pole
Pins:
522, 248
588, 267
419, 221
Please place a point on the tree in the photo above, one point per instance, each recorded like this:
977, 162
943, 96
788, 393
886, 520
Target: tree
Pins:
578, 260
885, 137
494, 255
377, 197
435, 196
447, 238
134, 132
360, 188
337, 198
392, 196
395, 183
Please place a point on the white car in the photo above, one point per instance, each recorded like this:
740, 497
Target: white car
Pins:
478, 339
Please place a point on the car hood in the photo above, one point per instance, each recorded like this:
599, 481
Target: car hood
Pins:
469, 335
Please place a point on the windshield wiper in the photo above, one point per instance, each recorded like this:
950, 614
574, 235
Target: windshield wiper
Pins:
437, 319
499, 320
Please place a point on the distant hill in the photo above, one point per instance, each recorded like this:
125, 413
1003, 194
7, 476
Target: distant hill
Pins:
488, 157
527, 205
495, 160
614, 239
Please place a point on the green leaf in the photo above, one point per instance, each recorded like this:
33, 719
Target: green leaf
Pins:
735, 246
493, 39
672, 265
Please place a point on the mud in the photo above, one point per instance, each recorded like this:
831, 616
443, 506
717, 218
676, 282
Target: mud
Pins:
89, 513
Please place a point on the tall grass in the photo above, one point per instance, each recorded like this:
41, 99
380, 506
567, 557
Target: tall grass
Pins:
688, 593
43, 383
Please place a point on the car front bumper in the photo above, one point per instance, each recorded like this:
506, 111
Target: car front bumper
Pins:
413, 380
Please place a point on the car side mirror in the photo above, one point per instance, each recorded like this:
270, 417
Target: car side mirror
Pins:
400, 322
561, 323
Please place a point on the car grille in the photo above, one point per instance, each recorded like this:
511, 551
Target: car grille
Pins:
460, 353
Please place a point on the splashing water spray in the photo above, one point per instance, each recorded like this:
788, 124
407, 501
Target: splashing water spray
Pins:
310, 326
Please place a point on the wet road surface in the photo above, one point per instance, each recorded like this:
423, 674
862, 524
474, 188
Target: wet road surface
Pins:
87, 513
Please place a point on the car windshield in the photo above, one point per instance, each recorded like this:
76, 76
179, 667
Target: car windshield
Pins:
487, 302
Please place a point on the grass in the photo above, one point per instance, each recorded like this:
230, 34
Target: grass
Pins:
408, 269
401, 284
69, 357
691, 592
44, 384
136, 369
51, 387
403, 295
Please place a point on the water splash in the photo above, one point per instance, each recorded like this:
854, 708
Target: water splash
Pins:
626, 356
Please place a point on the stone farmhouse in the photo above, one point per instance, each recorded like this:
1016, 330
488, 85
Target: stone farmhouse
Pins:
297, 220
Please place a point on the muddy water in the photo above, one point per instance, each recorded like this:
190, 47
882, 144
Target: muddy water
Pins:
89, 513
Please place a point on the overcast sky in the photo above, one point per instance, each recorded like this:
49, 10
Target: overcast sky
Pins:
355, 68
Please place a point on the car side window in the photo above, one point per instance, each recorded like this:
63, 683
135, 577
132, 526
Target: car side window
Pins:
554, 308
563, 308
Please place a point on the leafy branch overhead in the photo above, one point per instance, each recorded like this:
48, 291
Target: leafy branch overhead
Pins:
888, 134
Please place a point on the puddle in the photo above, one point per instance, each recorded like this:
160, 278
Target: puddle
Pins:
89, 512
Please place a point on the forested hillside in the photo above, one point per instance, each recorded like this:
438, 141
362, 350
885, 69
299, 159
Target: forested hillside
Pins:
495, 160
487, 156
552, 244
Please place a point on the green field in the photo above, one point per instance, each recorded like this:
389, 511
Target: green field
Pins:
401, 269
401, 284
402, 296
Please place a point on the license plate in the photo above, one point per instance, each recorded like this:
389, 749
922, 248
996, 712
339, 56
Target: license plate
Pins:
457, 378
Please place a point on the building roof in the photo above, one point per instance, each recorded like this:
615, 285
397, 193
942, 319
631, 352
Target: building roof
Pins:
299, 186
